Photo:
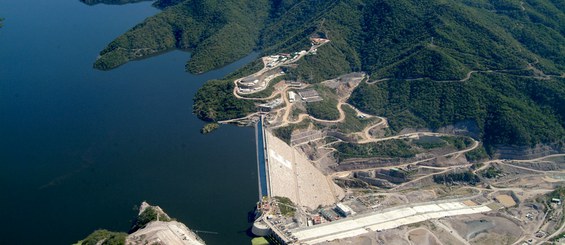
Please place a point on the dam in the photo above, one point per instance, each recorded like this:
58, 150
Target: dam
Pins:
260, 228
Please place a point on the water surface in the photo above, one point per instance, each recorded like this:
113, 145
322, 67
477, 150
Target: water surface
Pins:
79, 148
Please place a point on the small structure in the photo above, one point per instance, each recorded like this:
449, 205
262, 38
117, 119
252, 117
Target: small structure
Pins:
291, 96
266, 107
317, 219
260, 228
318, 41
556, 201
249, 83
344, 210
293, 83
302, 137
328, 215
310, 95
310, 222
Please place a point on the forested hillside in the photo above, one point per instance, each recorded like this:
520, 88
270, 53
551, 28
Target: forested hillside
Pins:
217, 32
489, 62
496, 63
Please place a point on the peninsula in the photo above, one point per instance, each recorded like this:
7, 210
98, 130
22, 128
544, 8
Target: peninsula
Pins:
152, 226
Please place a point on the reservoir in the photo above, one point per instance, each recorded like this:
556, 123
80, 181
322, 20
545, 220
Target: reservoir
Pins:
80, 148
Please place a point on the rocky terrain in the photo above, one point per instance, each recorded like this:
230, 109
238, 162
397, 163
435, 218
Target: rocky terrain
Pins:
152, 226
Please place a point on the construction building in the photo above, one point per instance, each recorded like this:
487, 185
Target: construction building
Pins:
344, 210
266, 107
293, 83
291, 96
309, 95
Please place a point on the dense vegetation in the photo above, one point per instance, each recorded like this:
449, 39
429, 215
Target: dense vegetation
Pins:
285, 133
558, 193
401, 173
148, 215
454, 178
430, 142
217, 33
477, 154
401, 148
286, 206
209, 127
492, 172
325, 109
424, 47
389, 148
104, 237
458, 142
467, 36
215, 102
508, 110
352, 122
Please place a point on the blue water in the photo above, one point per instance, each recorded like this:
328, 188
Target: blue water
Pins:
79, 148
261, 160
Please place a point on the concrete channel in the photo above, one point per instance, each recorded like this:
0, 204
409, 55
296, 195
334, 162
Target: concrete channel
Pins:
263, 175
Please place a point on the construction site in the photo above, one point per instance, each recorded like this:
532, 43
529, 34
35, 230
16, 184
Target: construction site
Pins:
351, 179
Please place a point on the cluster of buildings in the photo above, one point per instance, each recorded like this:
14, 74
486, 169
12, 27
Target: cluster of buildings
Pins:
282, 229
318, 41
310, 95
341, 210
278, 59
275, 60
254, 83
266, 107
258, 82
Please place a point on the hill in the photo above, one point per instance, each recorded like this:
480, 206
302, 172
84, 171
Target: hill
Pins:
217, 33
488, 63
495, 63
